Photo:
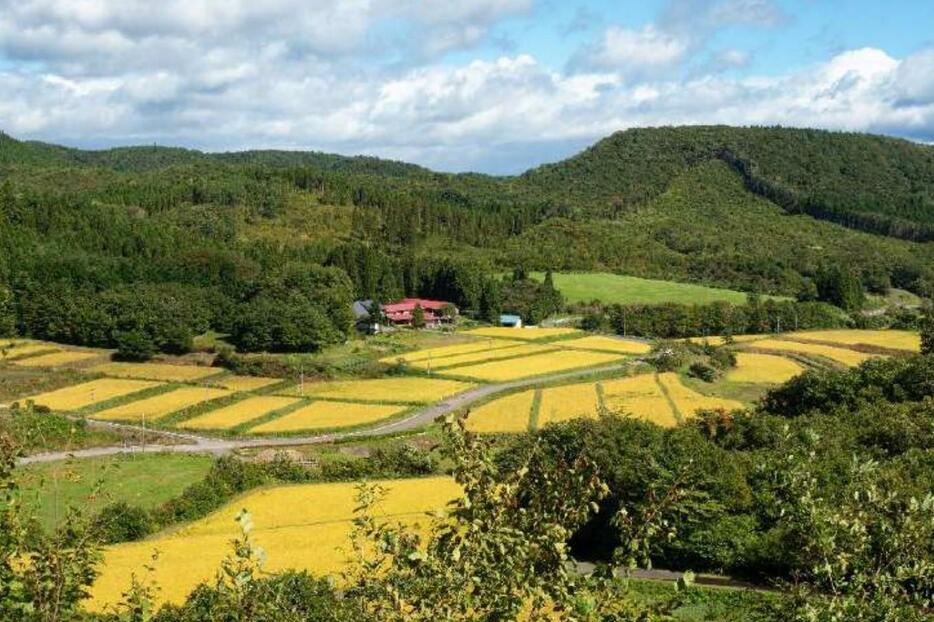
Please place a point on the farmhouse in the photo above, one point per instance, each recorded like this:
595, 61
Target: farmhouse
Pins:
436, 312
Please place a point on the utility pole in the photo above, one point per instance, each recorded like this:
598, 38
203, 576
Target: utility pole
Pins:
301, 378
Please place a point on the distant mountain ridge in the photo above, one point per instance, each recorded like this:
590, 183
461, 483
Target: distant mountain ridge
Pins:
873, 183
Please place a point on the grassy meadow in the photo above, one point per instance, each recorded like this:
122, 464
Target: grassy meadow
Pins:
618, 288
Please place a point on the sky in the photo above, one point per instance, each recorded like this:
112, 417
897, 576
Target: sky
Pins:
495, 86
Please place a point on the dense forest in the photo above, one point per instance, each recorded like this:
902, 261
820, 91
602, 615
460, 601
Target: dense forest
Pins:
142, 248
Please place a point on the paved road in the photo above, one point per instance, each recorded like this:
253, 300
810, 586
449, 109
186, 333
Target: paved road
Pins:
193, 443
709, 580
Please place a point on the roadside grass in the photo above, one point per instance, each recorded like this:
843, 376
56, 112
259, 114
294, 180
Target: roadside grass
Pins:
618, 288
144, 480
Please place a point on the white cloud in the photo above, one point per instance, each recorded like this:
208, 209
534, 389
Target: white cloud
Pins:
231, 74
636, 51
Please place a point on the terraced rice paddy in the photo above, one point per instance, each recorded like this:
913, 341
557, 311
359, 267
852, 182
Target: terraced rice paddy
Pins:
719, 340
246, 383
506, 414
326, 415
850, 358
688, 401
56, 359
894, 339
482, 356
526, 334
156, 371
568, 402
763, 368
536, 365
239, 413
162, 405
453, 350
607, 344
87, 394
23, 348
401, 389
639, 396
300, 527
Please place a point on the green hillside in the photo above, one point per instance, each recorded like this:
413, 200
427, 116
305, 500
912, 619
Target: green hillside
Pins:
270, 247
880, 184
617, 288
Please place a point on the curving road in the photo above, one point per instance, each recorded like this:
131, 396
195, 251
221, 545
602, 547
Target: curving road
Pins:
193, 443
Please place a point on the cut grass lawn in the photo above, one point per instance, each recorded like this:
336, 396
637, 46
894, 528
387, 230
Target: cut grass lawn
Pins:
87, 394
144, 480
617, 288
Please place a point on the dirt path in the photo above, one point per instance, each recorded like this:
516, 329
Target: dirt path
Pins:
193, 443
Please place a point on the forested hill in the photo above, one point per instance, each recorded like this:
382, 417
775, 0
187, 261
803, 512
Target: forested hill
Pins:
873, 183
148, 158
755, 209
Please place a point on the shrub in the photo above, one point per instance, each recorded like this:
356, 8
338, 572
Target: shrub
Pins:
121, 522
703, 371
134, 346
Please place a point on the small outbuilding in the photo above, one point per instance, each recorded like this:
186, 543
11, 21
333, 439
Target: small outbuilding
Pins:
511, 321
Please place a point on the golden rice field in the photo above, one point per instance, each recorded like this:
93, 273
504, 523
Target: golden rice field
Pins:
408, 390
639, 396
483, 356
452, 350
536, 365
156, 371
55, 359
162, 405
324, 415
894, 339
719, 340
841, 355
525, 333
568, 402
303, 527
87, 394
506, 414
763, 368
239, 413
246, 383
688, 401
21, 348
607, 344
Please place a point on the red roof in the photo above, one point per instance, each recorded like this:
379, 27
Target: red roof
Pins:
409, 304
403, 310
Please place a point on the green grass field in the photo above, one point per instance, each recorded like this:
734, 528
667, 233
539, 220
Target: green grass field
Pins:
616, 288
144, 480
